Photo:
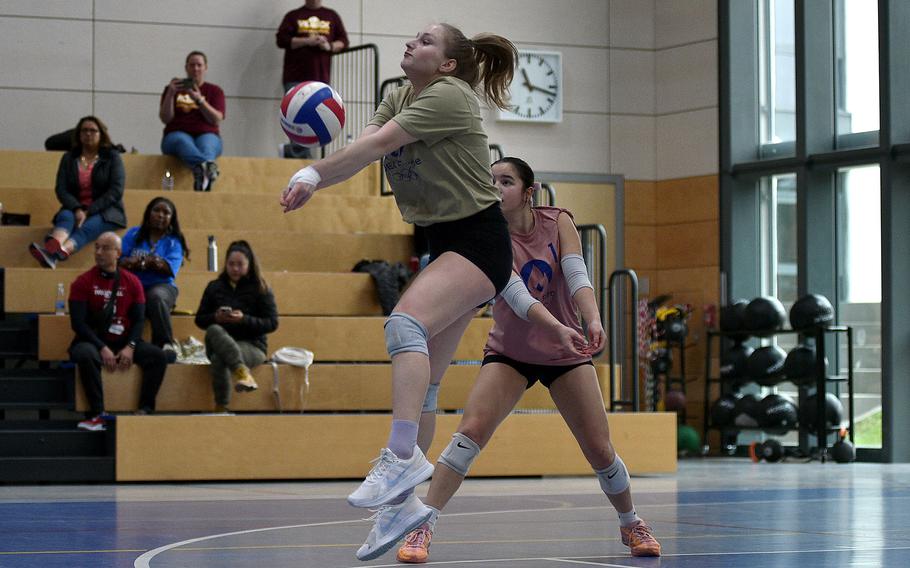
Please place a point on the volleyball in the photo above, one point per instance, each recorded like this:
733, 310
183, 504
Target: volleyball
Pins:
311, 114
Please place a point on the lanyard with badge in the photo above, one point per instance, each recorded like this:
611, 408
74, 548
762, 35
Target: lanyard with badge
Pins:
116, 326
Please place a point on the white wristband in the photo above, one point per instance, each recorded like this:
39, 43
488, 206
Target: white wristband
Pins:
307, 175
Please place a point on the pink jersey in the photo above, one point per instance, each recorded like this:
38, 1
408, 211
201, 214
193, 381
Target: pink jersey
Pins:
536, 257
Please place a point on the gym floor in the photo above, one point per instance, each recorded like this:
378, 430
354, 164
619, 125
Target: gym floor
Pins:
713, 512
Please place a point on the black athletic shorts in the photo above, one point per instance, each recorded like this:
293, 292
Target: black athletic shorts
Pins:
483, 238
532, 372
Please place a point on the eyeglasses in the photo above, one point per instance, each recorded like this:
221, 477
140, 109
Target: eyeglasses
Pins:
90, 131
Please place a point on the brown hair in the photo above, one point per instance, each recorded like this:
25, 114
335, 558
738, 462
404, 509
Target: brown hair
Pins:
485, 58
104, 142
192, 53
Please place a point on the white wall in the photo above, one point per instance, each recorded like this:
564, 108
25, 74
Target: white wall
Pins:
637, 72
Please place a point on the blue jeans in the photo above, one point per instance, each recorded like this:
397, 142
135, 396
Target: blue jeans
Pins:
192, 150
90, 230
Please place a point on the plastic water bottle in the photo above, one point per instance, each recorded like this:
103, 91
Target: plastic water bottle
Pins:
60, 302
167, 181
213, 254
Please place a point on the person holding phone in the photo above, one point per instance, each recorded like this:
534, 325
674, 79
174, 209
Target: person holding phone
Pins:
192, 110
237, 310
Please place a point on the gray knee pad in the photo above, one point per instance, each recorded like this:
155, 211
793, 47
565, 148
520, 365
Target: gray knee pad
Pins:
429, 403
614, 478
403, 333
459, 454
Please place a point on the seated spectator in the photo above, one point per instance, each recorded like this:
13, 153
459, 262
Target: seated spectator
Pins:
237, 311
191, 111
107, 310
89, 187
154, 251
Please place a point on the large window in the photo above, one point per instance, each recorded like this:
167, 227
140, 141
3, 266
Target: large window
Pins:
856, 68
859, 297
777, 64
815, 184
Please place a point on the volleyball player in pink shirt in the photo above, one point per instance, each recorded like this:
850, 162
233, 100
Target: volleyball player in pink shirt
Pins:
537, 335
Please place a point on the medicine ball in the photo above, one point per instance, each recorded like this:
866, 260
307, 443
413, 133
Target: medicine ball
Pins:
747, 412
662, 362
765, 315
834, 412
673, 328
843, 450
732, 320
733, 363
675, 401
688, 442
812, 310
770, 450
799, 367
723, 411
765, 365
778, 414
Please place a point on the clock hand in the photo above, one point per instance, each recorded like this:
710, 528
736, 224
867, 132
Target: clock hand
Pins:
526, 81
545, 91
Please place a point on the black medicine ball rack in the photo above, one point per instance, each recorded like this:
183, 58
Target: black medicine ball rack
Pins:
821, 382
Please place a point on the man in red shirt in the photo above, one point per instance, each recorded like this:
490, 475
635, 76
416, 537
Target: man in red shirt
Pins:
309, 36
107, 311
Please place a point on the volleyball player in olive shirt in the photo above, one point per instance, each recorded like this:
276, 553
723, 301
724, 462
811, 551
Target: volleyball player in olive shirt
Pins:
436, 157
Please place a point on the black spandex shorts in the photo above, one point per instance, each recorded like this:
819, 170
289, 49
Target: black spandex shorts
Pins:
483, 238
546, 374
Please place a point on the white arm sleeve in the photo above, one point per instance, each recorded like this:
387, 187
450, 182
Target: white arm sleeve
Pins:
517, 296
575, 272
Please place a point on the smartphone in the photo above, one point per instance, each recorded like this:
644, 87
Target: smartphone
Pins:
225, 309
188, 84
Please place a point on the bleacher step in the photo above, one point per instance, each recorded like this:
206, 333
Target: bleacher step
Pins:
35, 389
57, 469
69, 442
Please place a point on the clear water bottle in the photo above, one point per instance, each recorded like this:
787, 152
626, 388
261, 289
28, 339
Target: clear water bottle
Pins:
60, 302
213, 254
167, 181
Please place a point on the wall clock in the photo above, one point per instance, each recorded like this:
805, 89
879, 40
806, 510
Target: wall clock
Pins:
536, 89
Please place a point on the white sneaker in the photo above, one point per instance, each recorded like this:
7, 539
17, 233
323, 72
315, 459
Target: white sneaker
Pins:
390, 477
391, 524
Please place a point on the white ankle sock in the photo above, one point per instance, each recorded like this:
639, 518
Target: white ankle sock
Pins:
630, 518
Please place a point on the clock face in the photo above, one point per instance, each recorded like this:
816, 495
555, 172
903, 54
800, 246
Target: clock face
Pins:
536, 89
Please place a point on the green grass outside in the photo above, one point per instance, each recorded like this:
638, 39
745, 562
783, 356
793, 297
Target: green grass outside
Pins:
869, 431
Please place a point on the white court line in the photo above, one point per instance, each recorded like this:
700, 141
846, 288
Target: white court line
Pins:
580, 559
144, 561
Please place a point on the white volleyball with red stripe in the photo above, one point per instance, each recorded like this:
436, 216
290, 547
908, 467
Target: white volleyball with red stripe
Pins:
311, 114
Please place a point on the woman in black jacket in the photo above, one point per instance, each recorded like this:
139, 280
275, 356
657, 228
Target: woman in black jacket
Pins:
89, 187
237, 310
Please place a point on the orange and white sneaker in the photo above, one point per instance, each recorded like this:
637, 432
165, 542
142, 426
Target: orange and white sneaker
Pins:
416, 547
639, 539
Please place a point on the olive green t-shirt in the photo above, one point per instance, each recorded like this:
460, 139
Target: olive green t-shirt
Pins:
445, 175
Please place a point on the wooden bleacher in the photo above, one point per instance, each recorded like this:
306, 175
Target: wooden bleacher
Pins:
307, 256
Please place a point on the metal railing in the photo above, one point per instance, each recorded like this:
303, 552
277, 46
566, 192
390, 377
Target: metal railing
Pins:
618, 342
547, 190
355, 76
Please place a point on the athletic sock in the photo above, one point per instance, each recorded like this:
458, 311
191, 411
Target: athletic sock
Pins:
630, 518
403, 438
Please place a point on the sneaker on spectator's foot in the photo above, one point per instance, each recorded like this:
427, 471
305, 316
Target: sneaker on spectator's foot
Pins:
171, 350
243, 380
95, 424
52, 245
211, 173
639, 539
390, 477
390, 524
44, 258
200, 182
416, 547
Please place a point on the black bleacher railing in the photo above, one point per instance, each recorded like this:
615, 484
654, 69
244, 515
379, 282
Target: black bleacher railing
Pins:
355, 76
